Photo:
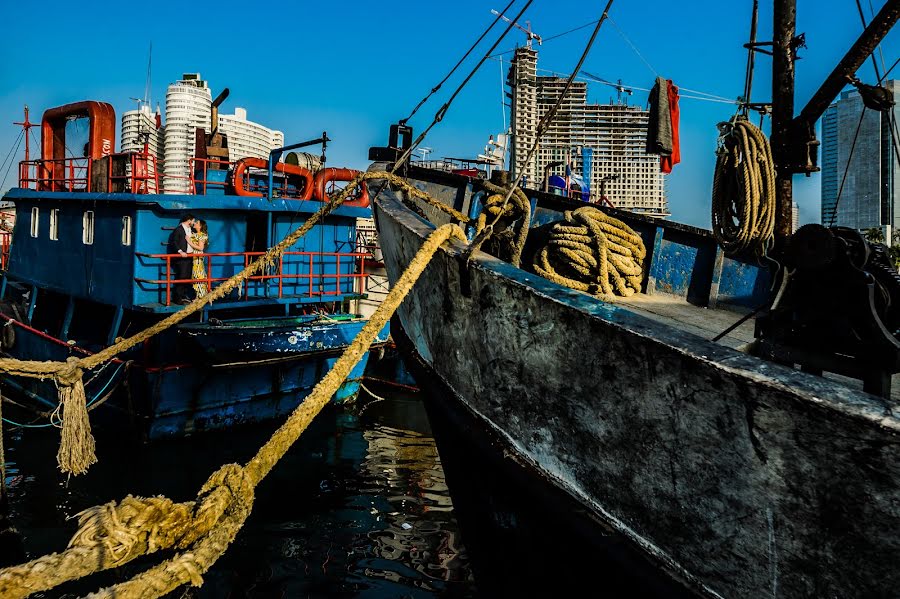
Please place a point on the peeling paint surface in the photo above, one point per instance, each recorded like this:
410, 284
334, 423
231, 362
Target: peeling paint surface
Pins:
756, 480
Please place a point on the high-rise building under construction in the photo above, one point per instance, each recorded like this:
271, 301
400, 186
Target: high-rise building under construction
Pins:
620, 167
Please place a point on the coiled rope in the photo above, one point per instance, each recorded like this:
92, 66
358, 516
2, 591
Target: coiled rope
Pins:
593, 252
509, 240
743, 195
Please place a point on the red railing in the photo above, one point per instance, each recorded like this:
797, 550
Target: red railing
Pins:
204, 182
316, 281
139, 175
65, 174
5, 240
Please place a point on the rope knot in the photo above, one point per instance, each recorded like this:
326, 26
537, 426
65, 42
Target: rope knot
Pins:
70, 374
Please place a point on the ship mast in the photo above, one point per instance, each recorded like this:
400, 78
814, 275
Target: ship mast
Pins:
785, 19
794, 147
26, 125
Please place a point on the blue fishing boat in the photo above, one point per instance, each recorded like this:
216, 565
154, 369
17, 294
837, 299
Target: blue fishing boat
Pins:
88, 265
726, 419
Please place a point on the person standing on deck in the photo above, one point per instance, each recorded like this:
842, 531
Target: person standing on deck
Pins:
182, 293
198, 242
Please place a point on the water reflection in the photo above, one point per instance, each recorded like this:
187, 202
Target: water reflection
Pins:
358, 508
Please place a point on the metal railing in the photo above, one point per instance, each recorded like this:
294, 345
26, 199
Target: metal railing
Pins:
317, 284
64, 174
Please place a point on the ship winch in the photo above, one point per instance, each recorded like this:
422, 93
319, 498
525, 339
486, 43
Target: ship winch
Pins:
837, 308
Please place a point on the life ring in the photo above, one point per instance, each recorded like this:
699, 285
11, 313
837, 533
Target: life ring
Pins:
327, 175
289, 170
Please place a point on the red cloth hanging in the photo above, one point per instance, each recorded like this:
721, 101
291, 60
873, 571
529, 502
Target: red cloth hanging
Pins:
667, 162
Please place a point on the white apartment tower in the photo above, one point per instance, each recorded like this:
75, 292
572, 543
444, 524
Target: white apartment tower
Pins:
247, 139
616, 134
188, 107
138, 124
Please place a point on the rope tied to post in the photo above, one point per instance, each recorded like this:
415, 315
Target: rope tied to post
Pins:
593, 252
77, 448
743, 195
508, 230
113, 534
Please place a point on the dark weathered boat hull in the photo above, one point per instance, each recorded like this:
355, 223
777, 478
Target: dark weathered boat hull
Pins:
526, 536
186, 397
744, 477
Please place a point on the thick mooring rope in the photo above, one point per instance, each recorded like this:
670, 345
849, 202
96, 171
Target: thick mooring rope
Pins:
593, 252
505, 213
743, 196
76, 452
113, 534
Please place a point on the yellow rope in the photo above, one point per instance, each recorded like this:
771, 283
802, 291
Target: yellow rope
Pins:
76, 451
518, 209
743, 197
593, 252
113, 534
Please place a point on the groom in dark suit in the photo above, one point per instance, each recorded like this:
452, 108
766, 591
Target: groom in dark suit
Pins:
182, 293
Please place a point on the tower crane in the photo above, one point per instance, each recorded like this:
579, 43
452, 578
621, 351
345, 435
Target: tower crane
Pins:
620, 89
527, 29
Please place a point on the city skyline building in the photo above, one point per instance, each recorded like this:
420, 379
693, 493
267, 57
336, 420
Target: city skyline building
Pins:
138, 123
860, 185
615, 134
188, 107
247, 139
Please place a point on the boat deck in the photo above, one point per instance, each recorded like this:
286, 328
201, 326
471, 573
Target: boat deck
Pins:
706, 323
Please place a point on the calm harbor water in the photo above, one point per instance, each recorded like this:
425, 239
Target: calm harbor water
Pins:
358, 508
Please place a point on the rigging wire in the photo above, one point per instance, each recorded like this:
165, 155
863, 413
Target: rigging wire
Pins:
457, 65
705, 97
888, 72
552, 37
847, 168
633, 47
11, 150
862, 18
880, 47
439, 115
542, 127
11, 162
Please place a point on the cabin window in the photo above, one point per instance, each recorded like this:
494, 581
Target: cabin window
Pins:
87, 233
54, 224
35, 216
126, 230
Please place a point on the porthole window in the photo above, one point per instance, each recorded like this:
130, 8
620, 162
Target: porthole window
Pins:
54, 224
87, 233
35, 220
126, 230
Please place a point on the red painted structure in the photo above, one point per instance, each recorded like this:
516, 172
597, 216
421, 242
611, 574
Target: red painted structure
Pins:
303, 178
329, 175
101, 136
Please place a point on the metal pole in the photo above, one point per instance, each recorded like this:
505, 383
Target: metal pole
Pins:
785, 21
856, 55
751, 56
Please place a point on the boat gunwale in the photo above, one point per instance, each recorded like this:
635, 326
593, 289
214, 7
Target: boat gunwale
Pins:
801, 387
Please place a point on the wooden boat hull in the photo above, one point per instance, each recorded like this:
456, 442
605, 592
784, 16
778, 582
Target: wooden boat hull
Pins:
742, 477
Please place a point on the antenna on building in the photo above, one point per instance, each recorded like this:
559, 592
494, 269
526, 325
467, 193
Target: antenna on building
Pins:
527, 29
149, 66
620, 89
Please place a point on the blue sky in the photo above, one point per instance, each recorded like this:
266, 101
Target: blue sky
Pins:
354, 68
